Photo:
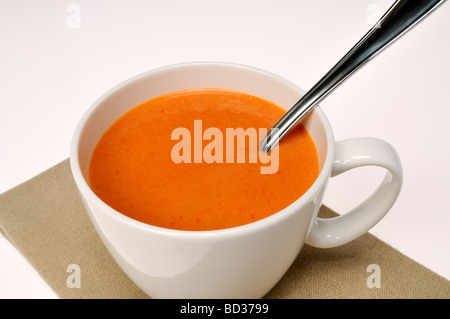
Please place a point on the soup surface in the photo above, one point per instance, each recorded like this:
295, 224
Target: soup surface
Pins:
142, 169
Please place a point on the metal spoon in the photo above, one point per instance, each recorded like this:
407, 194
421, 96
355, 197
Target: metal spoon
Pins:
400, 18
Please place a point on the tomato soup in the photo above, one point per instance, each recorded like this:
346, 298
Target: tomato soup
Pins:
133, 169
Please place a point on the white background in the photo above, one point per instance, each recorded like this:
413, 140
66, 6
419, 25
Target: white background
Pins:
53, 66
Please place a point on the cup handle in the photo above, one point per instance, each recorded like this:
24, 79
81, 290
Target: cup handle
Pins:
349, 154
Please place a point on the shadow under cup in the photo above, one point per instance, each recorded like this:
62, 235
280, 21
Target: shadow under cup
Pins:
240, 262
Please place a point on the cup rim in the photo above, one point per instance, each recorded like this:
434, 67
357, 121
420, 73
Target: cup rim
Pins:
88, 193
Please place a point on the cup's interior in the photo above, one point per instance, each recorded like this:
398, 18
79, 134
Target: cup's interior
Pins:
148, 85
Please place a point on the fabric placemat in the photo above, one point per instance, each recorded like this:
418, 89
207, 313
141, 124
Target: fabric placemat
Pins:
45, 220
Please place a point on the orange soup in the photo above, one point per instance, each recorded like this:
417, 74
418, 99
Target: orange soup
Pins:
134, 171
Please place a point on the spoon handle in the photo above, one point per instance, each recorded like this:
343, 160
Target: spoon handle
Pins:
400, 18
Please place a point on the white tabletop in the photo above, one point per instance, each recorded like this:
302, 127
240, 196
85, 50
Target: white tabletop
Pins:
57, 57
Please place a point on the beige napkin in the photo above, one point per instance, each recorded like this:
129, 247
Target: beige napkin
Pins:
46, 221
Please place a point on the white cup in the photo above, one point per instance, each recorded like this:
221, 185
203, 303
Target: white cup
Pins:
240, 262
